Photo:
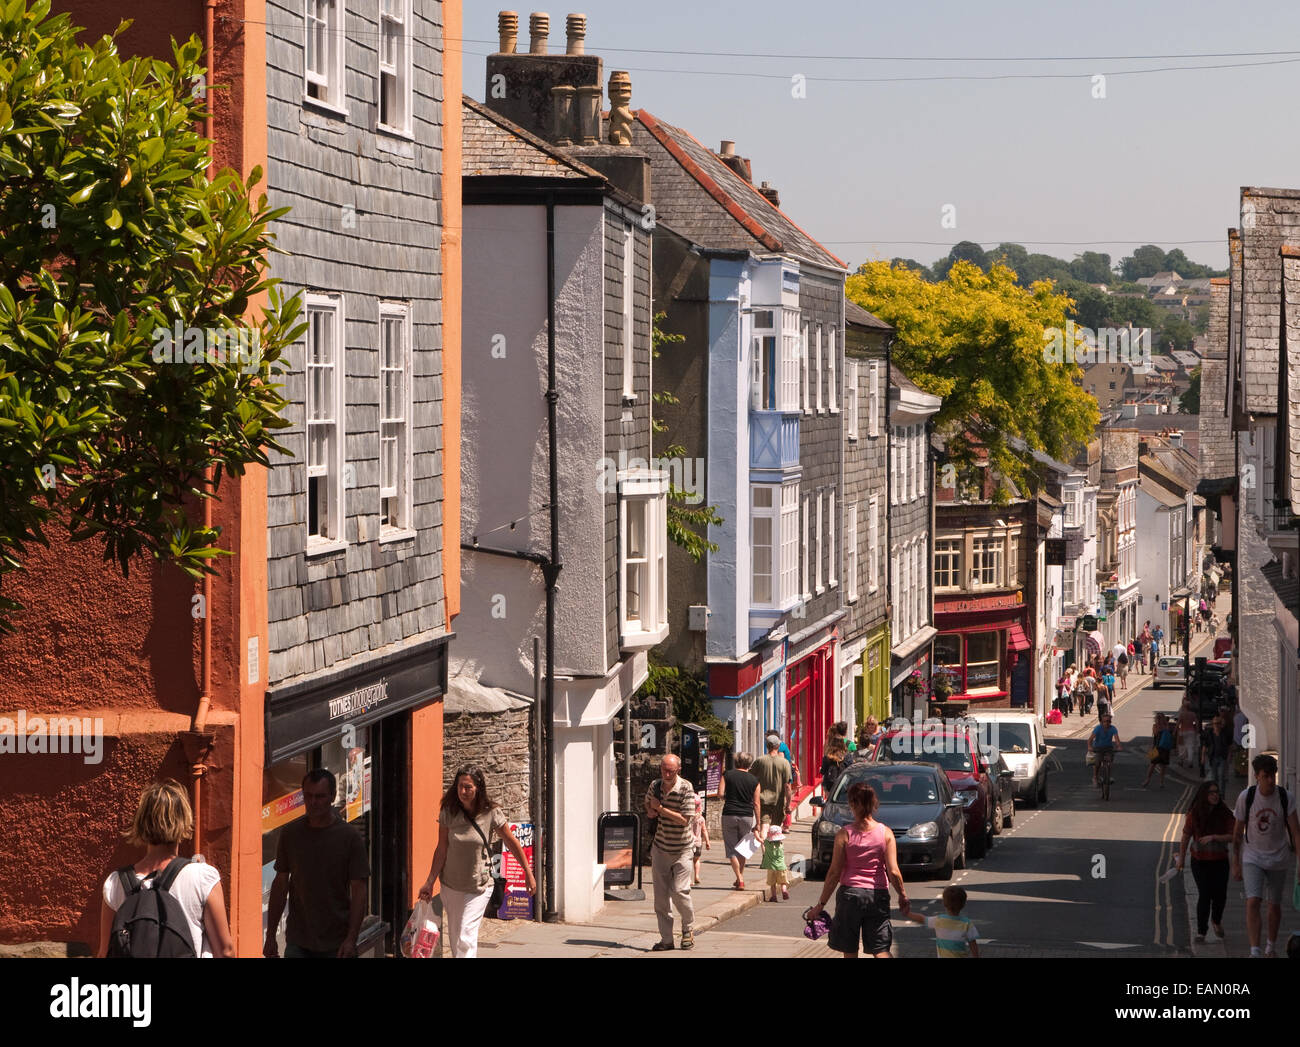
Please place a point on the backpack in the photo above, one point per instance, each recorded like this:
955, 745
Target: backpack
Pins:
151, 924
1250, 799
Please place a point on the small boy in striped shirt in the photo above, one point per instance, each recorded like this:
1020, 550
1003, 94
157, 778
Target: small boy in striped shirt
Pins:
954, 934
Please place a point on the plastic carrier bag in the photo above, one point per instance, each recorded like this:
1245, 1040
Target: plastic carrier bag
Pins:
420, 937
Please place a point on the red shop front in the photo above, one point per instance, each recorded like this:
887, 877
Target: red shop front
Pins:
810, 708
984, 645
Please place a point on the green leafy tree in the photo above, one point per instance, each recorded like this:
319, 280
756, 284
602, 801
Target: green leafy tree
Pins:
1190, 401
1013, 256
1092, 268
1147, 260
1140, 312
687, 524
979, 341
964, 251
113, 233
1201, 321
1175, 334
689, 696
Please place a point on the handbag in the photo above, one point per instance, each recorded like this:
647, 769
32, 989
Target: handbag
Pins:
498, 882
1153, 753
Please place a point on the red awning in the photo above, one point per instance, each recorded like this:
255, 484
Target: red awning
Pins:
1016, 638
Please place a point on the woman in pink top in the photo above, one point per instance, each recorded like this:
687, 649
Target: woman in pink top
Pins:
864, 863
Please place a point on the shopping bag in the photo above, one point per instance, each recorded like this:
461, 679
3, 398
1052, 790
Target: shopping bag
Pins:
420, 937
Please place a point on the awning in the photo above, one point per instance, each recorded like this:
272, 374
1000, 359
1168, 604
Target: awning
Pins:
1016, 639
1095, 643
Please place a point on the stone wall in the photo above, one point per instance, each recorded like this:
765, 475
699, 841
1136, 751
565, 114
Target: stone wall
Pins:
499, 744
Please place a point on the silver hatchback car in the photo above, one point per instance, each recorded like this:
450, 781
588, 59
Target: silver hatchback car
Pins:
1170, 668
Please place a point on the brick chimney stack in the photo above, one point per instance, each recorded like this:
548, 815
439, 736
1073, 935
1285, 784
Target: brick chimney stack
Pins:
739, 164
773, 197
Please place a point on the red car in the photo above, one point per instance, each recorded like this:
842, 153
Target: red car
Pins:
1222, 647
956, 750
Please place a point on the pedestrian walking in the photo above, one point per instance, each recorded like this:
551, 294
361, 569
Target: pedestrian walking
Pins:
774, 861
467, 819
1216, 749
1162, 744
1187, 736
1139, 653
955, 936
1121, 667
863, 865
1208, 830
699, 837
739, 792
868, 734
321, 869
1265, 825
672, 801
774, 776
1067, 692
163, 820
833, 767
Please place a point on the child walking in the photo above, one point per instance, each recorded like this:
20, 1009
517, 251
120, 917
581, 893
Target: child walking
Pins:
774, 860
700, 835
954, 935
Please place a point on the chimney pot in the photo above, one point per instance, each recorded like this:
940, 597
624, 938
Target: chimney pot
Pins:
576, 26
728, 148
539, 27
508, 30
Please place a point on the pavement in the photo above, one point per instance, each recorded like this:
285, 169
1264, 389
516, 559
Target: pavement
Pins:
629, 928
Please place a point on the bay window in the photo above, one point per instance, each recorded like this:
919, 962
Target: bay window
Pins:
643, 551
774, 544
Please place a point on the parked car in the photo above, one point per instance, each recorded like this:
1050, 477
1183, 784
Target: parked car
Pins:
1002, 779
916, 802
1170, 668
955, 748
1018, 735
1222, 647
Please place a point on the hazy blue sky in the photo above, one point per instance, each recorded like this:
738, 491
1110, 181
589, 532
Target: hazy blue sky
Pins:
865, 167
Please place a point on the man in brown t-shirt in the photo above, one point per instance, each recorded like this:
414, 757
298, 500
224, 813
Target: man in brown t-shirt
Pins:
321, 868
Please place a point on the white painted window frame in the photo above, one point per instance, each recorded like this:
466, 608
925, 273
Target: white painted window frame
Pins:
851, 552
334, 530
807, 523
398, 15
851, 397
805, 367
873, 544
402, 489
832, 368
331, 82
817, 372
818, 588
832, 560
649, 492
873, 399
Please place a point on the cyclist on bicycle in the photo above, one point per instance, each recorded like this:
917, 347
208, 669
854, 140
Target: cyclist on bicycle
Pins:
1104, 739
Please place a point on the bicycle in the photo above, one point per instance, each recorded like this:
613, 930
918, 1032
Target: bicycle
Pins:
1105, 758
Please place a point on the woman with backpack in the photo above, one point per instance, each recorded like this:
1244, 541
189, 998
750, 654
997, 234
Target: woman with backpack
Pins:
1208, 829
1162, 744
164, 905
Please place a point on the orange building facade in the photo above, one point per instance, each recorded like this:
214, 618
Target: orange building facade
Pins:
231, 702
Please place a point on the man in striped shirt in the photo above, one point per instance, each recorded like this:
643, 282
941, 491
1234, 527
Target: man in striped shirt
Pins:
672, 801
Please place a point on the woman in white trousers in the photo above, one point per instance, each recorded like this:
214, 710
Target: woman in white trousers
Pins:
463, 862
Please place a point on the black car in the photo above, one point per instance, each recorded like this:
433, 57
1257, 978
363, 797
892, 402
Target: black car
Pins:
916, 802
1004, 791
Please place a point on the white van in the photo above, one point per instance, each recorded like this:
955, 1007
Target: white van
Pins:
1018, 736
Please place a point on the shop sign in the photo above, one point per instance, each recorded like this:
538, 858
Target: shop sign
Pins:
1089, 623
980, 603
772, 661
302, 716
981, 676
617, 836
713, 772
1066, 622
518, 903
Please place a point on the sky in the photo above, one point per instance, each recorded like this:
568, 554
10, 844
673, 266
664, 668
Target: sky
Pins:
1062, 163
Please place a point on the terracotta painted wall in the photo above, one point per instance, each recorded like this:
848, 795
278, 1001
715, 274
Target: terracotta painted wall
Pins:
128, 650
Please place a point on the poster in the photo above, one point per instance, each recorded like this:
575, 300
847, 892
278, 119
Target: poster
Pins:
518, 903
282, 810
713, 772
617, 835
354, 785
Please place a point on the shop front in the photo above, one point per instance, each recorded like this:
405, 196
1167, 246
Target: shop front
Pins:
873, 695
910, 670
749, 696
379, 731
984, 648
810, 694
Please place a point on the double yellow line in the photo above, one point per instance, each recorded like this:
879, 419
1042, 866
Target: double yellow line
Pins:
1170, 842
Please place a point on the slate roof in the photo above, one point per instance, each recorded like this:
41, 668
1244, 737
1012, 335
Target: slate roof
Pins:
1269, 219
1152, 489
855, 314
900, 381
699, 196
1287, 589
1290, 376
496, 146
1188, 360
1153, 423
1163, 363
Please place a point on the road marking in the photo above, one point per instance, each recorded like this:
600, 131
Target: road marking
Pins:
1111, 945
1164, 896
